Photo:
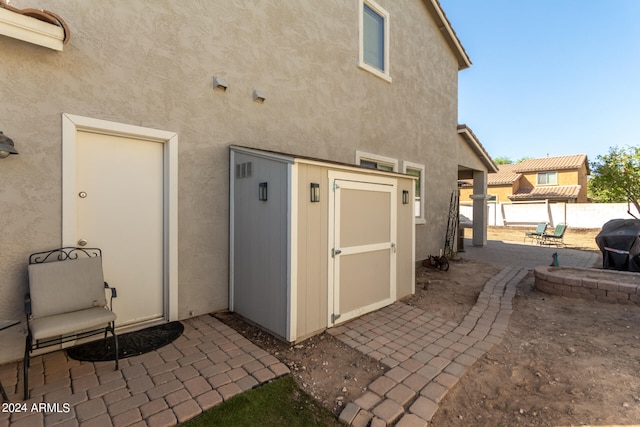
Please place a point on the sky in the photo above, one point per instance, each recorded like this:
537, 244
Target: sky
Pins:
549, 77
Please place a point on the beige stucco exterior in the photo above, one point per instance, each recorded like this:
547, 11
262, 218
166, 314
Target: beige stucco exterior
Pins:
151, 64
500, 191
565, 177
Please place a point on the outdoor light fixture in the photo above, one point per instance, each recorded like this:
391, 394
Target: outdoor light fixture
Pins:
220, 84
315, 192
258, 96
262, 191
6, 146
405, 197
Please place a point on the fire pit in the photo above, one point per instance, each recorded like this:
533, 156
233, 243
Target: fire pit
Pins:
589, 283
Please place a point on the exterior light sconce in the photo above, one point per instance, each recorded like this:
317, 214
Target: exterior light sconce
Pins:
258, 96
262, 191
315, 192
220, 84
6, 146
405, 197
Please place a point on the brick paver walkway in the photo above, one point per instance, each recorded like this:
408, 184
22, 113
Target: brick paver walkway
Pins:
208, 364
426, 354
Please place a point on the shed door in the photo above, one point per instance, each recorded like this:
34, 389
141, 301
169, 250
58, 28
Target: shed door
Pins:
363, 254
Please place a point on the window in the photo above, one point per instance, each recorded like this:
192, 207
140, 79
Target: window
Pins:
547, 178
374, 39
376, 165
417, 170
373, 161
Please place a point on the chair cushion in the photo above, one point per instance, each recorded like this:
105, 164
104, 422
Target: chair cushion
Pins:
73, 322
65, 286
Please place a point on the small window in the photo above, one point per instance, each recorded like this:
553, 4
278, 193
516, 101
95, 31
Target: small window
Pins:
417, 170
376, 165
373, 161
547, 178
374, 39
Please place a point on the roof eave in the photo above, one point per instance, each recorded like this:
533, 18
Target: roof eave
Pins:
478, 148
449, 33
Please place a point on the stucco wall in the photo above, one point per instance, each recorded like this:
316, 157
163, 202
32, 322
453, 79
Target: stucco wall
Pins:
501, 191
151, 63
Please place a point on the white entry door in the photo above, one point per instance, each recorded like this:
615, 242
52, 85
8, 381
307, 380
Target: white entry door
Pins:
363, 236
117, 205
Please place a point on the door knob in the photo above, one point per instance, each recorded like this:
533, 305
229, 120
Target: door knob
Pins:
82, 242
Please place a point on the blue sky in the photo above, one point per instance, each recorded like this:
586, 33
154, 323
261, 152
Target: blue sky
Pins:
549, 77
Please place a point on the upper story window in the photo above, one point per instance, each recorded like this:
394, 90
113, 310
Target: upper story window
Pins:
374, 39
547, 178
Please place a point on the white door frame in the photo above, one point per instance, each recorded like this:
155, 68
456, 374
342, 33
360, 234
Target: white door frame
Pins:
334, 262
71, 124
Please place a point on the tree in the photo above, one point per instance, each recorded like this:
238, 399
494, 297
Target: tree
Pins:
502, 160
615, 177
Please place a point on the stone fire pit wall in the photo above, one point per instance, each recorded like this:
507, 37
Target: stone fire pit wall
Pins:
589, 283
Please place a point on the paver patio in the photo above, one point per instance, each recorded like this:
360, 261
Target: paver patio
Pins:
207, 365
211, 362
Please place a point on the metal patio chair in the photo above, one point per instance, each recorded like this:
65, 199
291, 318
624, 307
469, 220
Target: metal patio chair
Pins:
66, 300
556, 238
537, 234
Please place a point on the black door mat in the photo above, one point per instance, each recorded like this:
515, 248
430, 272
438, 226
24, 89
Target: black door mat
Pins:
130, 344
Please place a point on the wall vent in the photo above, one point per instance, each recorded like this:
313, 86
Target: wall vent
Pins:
244, 170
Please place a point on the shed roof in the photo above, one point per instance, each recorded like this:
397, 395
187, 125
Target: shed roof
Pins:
293, 158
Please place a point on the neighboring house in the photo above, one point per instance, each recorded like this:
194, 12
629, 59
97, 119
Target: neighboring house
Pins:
124, 124
552, 179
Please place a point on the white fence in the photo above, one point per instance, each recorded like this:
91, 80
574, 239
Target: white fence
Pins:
576, 215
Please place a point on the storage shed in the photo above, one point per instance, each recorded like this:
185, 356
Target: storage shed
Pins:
314, 243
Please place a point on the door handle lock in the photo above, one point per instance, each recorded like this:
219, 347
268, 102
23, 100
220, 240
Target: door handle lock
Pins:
82, 242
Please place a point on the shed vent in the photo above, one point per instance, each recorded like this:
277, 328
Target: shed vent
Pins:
244, 170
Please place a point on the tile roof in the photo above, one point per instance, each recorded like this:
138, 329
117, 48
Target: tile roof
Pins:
506, 175
550, 192
553, 163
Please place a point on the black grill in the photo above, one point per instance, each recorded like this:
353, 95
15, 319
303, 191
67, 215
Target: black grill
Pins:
619, 241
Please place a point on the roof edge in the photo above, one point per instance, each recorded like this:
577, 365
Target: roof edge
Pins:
477, 147
291, 159
447, 30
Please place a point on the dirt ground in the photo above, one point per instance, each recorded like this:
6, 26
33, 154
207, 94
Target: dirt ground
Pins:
562, 362
574, 238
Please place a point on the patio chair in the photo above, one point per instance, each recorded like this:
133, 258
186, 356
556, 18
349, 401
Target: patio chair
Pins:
66, 301
536, 235
556, 238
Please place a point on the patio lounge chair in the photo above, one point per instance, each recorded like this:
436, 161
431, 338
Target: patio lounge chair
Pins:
536, 235
556, 238
66, 300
